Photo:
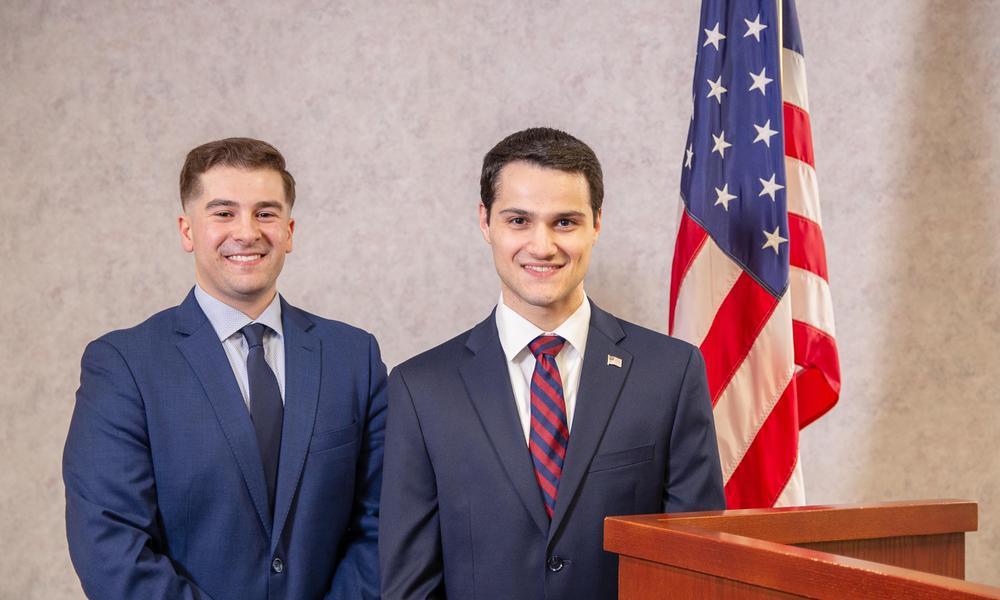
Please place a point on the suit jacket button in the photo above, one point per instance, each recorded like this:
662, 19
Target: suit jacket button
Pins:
555, 564
277, 565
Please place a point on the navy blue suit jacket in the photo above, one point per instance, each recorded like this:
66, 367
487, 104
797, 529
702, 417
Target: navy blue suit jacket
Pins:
165, 492
462, 515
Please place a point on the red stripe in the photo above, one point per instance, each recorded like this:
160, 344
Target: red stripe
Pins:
806, 249
549, 391
549, 439
769, 462
737, 323
550, 344
546, 485
541, 457
818, 382
550, 416
549, 366
798, 134
690, 237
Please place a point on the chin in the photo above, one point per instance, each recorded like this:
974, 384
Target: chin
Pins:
539, 301
249, 290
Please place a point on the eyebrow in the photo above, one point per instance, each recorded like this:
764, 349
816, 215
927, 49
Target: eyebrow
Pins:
224, 203
219, 203
571, 213
524, 213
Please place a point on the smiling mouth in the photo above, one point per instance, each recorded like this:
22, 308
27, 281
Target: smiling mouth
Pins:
244, 258
541, 268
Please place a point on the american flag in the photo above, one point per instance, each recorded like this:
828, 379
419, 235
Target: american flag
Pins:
749, 281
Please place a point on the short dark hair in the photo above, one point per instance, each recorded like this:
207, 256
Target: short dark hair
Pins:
242, 153
545, 147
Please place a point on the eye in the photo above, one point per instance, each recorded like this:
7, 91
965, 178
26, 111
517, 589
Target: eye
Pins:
266, 214
223, 213
518, 221
564, 223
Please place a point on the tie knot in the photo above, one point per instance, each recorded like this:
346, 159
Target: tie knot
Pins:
546, 345
254, 334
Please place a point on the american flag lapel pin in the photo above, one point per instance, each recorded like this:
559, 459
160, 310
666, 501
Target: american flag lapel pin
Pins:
614, 361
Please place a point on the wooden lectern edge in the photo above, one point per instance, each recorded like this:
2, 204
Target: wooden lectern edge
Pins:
772, 564
835, 522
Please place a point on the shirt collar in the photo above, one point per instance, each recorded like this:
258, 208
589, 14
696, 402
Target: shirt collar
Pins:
227, 320
516, 332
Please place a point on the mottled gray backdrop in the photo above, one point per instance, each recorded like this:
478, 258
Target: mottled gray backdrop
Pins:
384, 110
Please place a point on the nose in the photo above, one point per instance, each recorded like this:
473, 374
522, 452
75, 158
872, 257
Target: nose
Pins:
246, 230
542, 244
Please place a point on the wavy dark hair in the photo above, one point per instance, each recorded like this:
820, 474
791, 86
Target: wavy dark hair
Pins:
242, 153
545, 147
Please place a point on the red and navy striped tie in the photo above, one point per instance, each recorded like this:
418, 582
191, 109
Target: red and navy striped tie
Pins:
549, 432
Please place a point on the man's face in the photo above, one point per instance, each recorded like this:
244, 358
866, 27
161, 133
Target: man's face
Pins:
542, 230
239, 229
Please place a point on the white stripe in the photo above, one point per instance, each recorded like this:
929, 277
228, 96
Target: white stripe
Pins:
811, 300
755, 388
794, 493
793, 79
706, 284
803, 193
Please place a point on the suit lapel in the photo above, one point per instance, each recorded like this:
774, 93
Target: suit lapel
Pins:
488, 384
203, 351
600, 386
303, 364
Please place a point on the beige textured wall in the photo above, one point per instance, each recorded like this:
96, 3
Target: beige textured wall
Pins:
384, 111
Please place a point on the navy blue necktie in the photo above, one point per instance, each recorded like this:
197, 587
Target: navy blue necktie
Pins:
266, 408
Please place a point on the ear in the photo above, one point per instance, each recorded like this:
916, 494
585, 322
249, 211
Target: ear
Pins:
291, 230
597, 224
484, 222
184, 226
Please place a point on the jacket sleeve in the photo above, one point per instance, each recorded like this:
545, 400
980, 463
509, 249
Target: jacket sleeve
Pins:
410, 547
694, 478
115, 541
357, 575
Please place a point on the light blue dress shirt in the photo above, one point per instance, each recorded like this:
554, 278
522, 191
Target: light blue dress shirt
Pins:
228, 321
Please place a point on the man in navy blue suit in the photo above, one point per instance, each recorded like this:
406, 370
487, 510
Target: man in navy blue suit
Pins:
231, 446
508, 445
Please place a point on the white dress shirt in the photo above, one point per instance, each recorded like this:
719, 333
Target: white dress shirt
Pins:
516, 333
228, 321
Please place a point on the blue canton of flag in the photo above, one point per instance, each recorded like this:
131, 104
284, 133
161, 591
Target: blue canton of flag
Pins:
733, 175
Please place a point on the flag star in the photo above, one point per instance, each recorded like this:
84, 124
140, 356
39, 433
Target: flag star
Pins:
690, 154
754, 27
764, 133
721, 144
712, 36
723, 197
770, 187
717, 89
774, 240
759, 81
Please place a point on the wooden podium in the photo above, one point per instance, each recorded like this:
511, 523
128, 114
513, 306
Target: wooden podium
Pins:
890, 550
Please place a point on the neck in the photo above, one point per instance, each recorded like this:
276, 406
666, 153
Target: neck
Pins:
252, 307
546, 318
253, 310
